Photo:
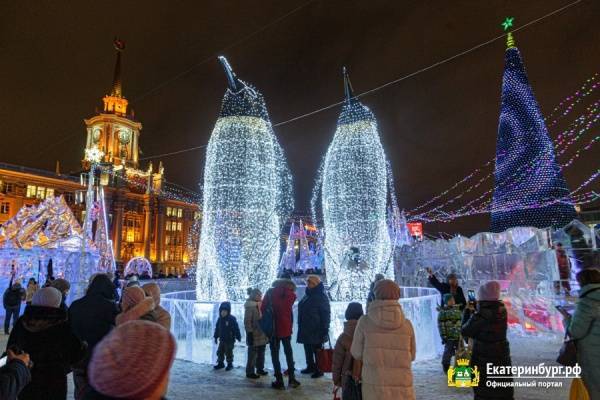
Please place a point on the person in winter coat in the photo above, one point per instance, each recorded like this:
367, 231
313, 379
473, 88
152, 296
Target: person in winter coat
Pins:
451, 286
63, 286
564, 270
132, 362
256, 340
584, 326
281, 298
162, 316
384, 342
314, 317
342, 359
91, 318
487, 327
227, 331
12, 299
14, 375
371, 295
449, 324
135, 305
44, 333
32, 287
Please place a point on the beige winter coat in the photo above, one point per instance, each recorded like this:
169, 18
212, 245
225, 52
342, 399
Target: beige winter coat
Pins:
342, 359
143, 310
251, 317
385, 342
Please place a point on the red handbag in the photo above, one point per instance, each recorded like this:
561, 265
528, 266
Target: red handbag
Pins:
325, 359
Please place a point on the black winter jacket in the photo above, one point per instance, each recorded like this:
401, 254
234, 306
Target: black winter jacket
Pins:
227, 328
314, 316
14, 295
93, 316
13, 378
43, 333
443, 288
488, 326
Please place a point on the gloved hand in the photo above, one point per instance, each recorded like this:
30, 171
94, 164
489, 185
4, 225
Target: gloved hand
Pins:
216, 340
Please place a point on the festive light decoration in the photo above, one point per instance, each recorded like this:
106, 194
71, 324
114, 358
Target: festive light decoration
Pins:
522, 135
247, 197
575, 131
354, 199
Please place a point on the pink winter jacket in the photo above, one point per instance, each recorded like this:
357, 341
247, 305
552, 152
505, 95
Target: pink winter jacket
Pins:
385, 342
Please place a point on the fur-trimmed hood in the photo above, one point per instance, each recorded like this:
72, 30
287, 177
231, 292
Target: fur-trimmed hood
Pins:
39, 318
136, 312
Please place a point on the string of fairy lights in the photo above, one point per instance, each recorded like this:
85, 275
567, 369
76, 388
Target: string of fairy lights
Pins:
247, 196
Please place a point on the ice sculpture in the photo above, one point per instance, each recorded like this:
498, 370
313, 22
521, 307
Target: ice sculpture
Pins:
193, 325
354, 198
247, 197
520, 258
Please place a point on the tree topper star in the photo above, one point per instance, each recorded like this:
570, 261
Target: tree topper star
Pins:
508, 23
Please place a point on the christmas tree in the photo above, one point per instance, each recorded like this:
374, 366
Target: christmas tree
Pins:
529, 187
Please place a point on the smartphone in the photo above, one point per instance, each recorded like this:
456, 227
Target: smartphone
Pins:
562, 310
471, 295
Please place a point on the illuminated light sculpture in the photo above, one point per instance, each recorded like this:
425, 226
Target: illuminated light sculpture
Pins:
247, 197
522, 137
354, 197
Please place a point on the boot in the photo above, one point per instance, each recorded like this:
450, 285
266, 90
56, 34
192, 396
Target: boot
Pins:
219, 366
262, 372
446, 367
229, 367
252, 376
292, 382
278, 383
308, 370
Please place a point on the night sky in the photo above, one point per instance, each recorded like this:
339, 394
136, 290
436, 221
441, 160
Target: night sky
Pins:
436, 127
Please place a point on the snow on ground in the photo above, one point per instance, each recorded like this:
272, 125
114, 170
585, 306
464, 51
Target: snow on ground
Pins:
191, 381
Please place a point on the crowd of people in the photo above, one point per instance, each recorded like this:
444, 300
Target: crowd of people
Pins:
102, 338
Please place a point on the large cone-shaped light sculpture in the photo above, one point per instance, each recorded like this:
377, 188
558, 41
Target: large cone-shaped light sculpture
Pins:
247, 197
354, 198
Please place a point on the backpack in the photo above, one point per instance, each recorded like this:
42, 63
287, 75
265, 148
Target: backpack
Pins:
267, 320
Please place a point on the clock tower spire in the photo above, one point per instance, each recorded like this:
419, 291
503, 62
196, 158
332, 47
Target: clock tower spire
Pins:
113, 132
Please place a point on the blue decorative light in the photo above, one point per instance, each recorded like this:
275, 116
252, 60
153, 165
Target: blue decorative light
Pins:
523, 137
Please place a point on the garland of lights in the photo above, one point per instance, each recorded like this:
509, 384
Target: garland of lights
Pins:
354, 198
247, 197
564, 109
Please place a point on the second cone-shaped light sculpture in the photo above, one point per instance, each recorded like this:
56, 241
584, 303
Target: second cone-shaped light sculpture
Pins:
354, 197
247, 196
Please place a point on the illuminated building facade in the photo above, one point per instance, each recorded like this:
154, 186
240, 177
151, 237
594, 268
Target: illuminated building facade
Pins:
143, 220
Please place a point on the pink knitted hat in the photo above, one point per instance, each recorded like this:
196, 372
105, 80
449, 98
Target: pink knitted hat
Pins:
131, 296
132, 360
490, 291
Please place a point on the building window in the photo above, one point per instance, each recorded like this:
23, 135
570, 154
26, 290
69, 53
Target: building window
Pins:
132, 228
179, 226
49, 193
169, 210
179, 213
31, 190
4, 208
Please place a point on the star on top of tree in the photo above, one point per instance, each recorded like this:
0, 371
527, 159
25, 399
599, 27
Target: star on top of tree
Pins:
508, 23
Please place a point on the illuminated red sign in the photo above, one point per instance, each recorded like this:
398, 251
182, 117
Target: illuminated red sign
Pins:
416, 229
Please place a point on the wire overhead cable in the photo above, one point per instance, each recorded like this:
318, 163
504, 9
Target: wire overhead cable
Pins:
398, 80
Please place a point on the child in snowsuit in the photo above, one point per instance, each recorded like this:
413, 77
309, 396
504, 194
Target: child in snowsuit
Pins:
227, 332
449, 324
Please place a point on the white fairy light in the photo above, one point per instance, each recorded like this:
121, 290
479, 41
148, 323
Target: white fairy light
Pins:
247, 198
354, 198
